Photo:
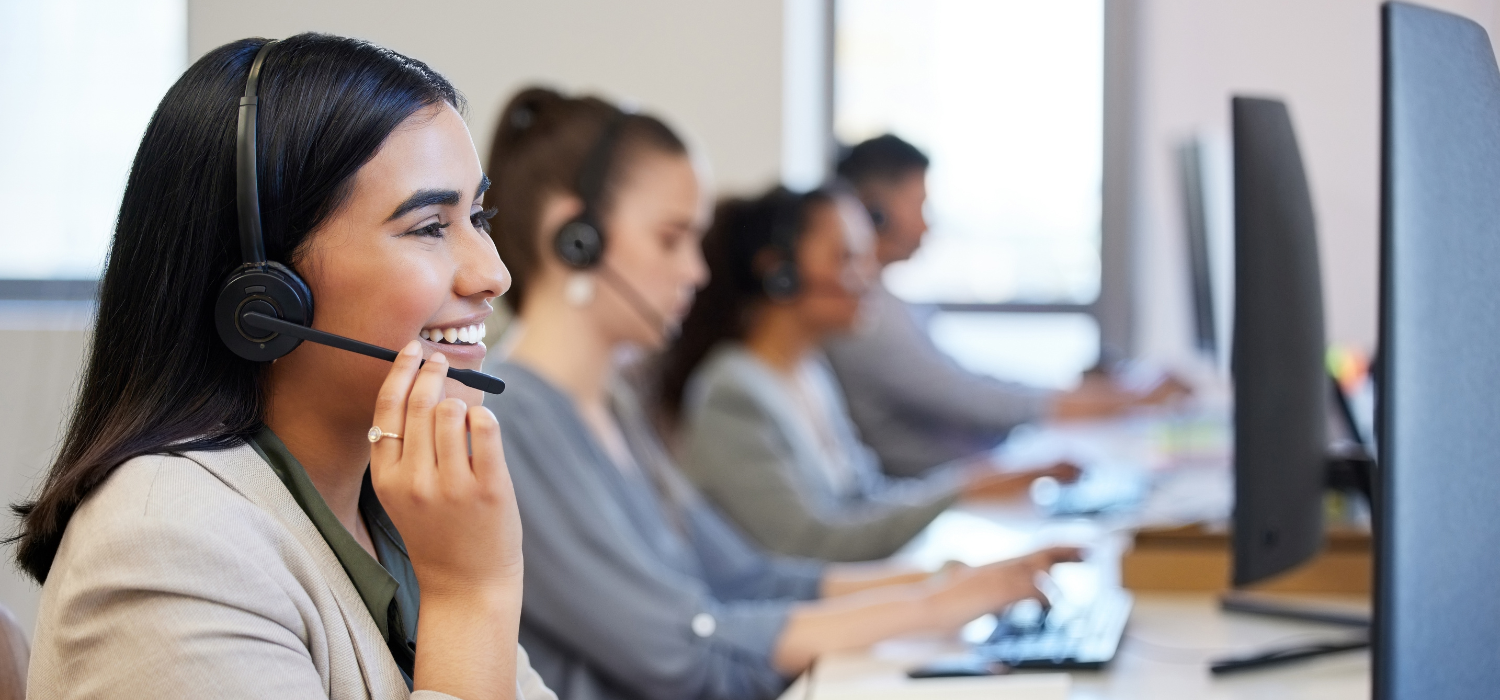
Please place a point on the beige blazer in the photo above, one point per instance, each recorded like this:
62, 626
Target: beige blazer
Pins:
198, 576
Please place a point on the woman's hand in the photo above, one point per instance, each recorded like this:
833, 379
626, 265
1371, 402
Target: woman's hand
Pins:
988, 483
966, 593
455, 510
1101, 397
446, 487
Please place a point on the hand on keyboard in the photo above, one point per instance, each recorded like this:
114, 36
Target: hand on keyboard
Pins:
970, 592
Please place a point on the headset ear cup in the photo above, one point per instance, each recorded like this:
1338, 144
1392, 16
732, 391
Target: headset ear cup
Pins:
271, 289
579, 243
297, 286
781, 281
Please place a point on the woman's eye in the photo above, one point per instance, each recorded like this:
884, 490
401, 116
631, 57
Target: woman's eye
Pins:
432, 230
481, 219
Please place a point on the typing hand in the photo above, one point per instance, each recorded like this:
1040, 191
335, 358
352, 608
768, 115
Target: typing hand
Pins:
986, 482
970, 592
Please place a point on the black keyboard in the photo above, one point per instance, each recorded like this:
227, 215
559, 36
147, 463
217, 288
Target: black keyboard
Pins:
1066, 637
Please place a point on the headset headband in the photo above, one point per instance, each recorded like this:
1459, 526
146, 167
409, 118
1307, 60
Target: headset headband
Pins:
595, 170
252, 242
786, 220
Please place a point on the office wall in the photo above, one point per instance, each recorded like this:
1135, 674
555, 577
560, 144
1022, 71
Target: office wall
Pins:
41, 349
1323, 58
712, 67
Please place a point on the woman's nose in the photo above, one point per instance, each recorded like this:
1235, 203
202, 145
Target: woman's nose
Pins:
697, 267
481, 272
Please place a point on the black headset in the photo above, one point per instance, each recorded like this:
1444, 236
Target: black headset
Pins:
782, 280
264, 310
580, 241
258, 285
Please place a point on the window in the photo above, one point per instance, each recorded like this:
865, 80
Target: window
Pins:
82, 79
1006, 97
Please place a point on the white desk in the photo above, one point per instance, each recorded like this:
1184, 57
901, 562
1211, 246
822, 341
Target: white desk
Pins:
1171, 637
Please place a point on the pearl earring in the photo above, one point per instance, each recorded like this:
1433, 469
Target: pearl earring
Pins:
579, 290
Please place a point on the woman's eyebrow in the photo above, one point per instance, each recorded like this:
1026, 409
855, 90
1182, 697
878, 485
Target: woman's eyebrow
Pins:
425, 198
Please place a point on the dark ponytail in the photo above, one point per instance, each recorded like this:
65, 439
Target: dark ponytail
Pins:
157, 378
742, 229
540, 146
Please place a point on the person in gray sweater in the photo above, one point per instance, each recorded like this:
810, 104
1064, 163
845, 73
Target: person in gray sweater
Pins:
919, 408
765, 432
635, 585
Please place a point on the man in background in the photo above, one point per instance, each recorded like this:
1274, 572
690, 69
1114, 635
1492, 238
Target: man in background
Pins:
912, 402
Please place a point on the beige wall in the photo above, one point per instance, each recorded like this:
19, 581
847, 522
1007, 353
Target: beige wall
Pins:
1323, 58
41, 349
711, 67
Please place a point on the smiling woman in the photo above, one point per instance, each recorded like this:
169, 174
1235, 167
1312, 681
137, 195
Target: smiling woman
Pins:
215, 527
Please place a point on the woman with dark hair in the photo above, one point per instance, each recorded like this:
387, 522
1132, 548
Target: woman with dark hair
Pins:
635, 586
767, 436
214, 527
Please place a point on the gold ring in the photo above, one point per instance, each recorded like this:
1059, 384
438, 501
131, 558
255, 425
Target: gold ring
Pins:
375, 434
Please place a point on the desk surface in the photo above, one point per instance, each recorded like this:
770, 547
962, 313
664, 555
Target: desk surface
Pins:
1171, 637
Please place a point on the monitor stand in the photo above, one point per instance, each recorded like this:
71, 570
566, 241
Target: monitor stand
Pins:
1240, 602
1252, 604
1348, 470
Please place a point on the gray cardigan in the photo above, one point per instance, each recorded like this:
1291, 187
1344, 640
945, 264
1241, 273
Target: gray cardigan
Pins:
750, 451
917, 407
198, 576
635, 587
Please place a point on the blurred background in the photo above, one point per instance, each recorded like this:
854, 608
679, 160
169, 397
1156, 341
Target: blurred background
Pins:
1058, 226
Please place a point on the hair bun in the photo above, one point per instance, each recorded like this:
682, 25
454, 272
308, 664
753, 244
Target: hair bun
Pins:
528, 107
521, 117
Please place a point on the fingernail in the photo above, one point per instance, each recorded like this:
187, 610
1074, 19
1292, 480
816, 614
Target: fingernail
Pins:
437, 357
412, 349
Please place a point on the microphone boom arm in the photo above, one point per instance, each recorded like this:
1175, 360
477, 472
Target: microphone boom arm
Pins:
467, 377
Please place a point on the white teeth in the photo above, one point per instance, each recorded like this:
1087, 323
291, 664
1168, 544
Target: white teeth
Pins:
483, 331
468, 335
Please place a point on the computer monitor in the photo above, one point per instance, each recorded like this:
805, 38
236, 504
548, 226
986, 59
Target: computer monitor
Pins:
1436, 611
1195, 210
1204, 172
1280, 384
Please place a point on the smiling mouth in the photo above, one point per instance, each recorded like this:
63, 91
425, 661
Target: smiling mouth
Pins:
462, 335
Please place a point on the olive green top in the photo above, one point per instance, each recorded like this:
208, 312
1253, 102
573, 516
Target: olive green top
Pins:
389, 585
